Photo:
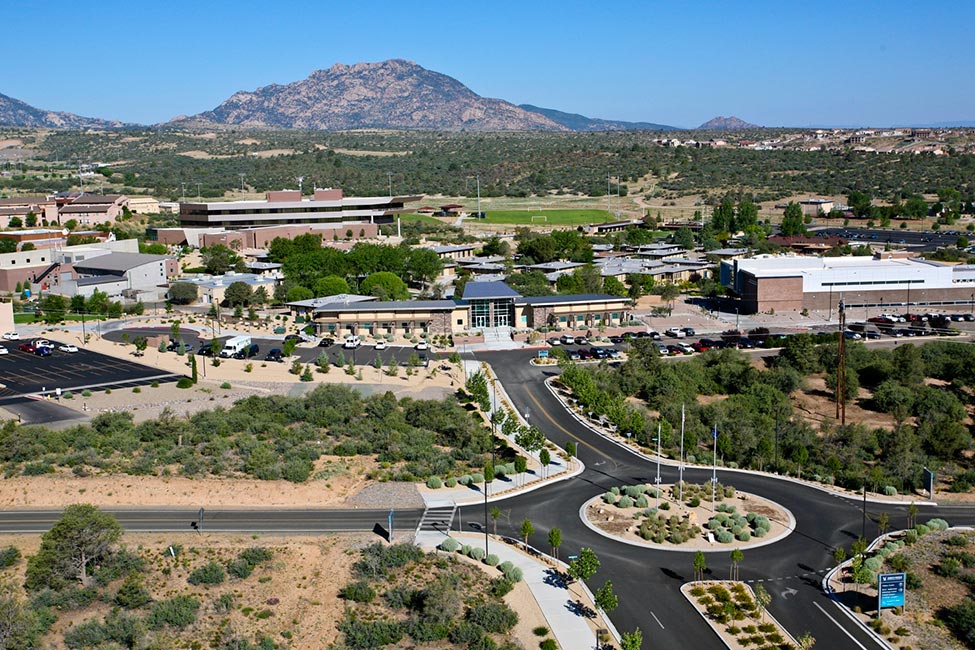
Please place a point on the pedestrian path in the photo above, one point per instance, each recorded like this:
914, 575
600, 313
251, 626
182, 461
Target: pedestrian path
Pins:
564, 608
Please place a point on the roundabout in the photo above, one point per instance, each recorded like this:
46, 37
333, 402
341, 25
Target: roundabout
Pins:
681, 518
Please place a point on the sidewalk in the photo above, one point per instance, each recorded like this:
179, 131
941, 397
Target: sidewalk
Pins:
559, 603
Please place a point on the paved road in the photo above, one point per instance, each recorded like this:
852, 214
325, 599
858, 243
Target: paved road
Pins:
282, 520
648, 581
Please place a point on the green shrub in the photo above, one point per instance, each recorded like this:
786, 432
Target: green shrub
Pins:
910, 537
465, 479
477, 553
449, 545
497, 618
949, 567
371, 634
501, 586
434, 483
358, 592
609, 498
641, 502
9, 557
132, 593
548, 644
210, 573
450, 482
477, 478
540, 631
184, 382
226, 385
136, 390
615, 490
890, 491
178, 611
624, 502
694, 502
491, 560
744, 536
937, 524
514, 575
239, 568
724, 536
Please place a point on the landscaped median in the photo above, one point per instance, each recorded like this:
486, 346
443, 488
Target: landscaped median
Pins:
738, 616
680, 517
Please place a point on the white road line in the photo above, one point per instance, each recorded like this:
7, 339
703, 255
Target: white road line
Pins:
836, 623
657, 619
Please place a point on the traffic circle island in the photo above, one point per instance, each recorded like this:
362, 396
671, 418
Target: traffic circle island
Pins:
685, 517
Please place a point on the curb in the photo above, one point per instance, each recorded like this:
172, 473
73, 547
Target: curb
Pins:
671, 463
713, 626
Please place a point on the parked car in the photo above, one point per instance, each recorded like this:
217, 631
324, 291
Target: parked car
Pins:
872, 334
745, 343
292, 337
4, 350
206, 350
676, 332
642, 334
67, 347
575, 356
326, 343
582, 340
894, 318
381, 344
554, 341
663, 350
851, 335
274, 355
422, 345
41, 351
613, 353
686, 348
11, 336
616, 340
689, 331
568, 340
248, 352
675, 349
882, 320
701, 346
916, 318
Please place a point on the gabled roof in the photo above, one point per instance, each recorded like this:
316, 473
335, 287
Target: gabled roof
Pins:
488, 290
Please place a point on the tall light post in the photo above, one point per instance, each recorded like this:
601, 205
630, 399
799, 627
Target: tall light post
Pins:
714, 468
656, 480
680, 465
389, 175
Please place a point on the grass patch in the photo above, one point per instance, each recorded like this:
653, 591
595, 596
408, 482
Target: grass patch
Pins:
552, 217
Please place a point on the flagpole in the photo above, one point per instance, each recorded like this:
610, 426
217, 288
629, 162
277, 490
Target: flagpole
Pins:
714, 468
680, 465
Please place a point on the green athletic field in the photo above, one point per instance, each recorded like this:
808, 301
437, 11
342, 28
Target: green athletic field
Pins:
552, 217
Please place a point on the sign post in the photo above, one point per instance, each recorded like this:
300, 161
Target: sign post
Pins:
929, 479
891, 592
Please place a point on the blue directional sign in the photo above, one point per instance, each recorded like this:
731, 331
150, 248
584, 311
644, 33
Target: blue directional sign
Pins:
543, 354
892, 587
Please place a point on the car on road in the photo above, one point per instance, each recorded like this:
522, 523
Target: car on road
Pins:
676, 332
326, 343
67, 347
4, 350
274, 354
381, 345
172, 346
248, 352
422, 345
42, 343
11, 336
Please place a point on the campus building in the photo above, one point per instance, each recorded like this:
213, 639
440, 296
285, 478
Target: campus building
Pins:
288, 207
485, 305
794, 283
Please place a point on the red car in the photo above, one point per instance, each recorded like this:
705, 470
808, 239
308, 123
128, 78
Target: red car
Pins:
40, 351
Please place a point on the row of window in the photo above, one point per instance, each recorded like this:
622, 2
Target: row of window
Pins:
858, 283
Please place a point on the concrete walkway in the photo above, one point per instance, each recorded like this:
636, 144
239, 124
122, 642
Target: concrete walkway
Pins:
562, 607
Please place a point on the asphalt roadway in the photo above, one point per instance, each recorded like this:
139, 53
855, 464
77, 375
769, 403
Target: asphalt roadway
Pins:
647, 581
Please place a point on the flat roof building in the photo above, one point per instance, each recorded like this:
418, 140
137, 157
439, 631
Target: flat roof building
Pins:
290, 208
794, 283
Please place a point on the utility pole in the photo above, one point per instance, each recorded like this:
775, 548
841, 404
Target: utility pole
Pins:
609, 196
680, 465
841, 367
242, 175
389, 175
478, 196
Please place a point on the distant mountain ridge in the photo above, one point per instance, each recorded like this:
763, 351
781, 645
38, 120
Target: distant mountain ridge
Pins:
726, 124
577, 122
14, 112
394, 94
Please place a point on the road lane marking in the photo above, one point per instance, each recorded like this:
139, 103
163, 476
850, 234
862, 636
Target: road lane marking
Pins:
657, 619
837, 624
551, 419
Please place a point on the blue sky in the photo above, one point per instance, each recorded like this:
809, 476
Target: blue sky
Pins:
783, 63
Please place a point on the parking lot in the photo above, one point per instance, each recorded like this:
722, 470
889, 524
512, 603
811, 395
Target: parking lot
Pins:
23, 373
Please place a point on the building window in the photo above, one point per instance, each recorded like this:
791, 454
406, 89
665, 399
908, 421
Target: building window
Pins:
460, 321
563, 319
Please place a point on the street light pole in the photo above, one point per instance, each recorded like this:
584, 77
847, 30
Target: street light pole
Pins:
656, 480
680, 465
714, 468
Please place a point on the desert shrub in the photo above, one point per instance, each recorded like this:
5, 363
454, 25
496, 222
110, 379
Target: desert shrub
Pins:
450, 545
184, 382
615, 490
211, 573
9, 557
641, 501
949, 567
514, 574
501, 586
937, 524
178, 611
466, 632
358, 592
913, 581
744, 536
493, 617
377, 559
873, 563
633, 491
961, 619
434, 483
132, 593
466, 549
464, 480
477, 553
226, 385
609, 498
910, 537
724, 536
491, 560
694, 502
477, 478
548, 644
369, 634
890, 491
957, 540
540, 630
624, 502
450, 482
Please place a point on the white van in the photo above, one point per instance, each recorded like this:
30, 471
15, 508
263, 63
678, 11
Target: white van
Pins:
352, 342
235, 345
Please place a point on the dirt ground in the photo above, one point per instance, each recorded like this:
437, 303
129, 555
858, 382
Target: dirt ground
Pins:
299, 587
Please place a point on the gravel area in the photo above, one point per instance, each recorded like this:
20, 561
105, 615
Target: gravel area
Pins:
393, 494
